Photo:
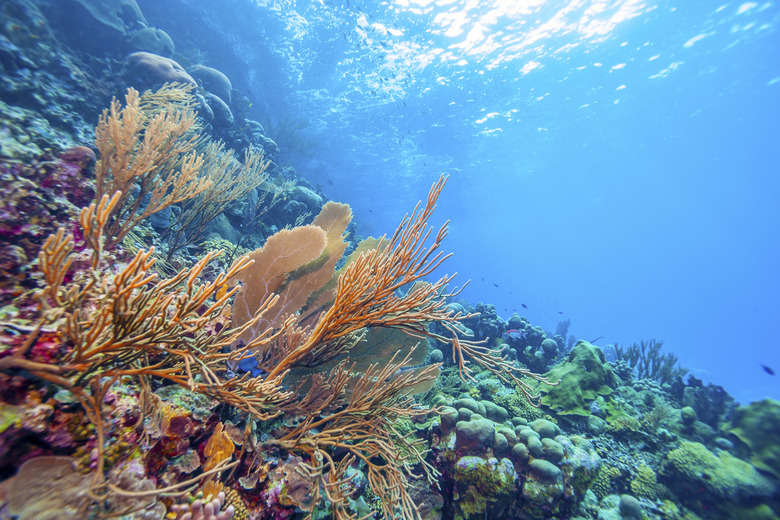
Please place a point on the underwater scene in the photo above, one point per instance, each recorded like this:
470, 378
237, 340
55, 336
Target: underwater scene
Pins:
392, 259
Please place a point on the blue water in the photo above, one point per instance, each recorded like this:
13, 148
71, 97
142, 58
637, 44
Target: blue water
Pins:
616, 162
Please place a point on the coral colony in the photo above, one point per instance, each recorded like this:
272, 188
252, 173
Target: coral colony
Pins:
191, 331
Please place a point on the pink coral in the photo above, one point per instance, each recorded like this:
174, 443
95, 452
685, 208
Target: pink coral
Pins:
206, 511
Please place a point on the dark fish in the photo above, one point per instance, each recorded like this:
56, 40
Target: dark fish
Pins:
559, 312
483, 279
249, 364
495, 285
595, 340
524, 306
768, 370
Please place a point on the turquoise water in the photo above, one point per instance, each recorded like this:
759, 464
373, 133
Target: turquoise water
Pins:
611, 163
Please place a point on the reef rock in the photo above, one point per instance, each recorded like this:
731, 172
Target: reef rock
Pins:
49, 488
485, 487
146, 70
223, 117
95, 26
152, 39
212, 80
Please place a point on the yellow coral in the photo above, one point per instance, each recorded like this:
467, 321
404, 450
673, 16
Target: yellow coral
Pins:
623, 424
602, 486
518, 406
218, 449
232, 498
645, 483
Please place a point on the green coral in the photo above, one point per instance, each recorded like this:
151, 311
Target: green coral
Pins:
757, 426
605, 478
483, 486
518, 406
214, 244
583, 376
759, 512
672, 511
723, 475
405, 428
10, 416
623, 419
645, 483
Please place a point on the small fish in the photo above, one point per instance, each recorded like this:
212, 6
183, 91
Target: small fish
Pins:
559, 312
768, 370
524, 306
595, 340
495, 285
514, 333
249, 364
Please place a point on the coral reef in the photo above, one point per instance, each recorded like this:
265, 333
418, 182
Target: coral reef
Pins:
124, 324
191, 331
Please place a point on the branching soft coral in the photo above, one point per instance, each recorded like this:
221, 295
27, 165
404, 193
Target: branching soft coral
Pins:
133, 324
147, 156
